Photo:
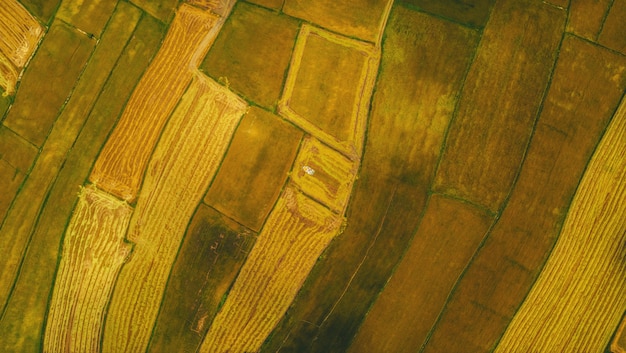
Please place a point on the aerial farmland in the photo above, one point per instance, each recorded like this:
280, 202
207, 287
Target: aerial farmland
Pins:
325, 176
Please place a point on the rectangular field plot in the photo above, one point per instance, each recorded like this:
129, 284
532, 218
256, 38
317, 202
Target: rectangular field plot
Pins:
255, 168
408, 307
49, 81
487, 141
212, 253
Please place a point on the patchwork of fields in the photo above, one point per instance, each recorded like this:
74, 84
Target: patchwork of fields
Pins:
312, 176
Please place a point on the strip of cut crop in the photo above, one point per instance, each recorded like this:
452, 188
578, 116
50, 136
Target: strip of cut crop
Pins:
121, 165
578, 300
296, 232
181, 169
93, 253
19, 32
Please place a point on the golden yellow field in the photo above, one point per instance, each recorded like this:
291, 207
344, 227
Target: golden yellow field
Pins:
180, 170
93, 253
319, 176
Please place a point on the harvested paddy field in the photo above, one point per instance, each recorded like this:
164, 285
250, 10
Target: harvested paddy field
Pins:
325, 176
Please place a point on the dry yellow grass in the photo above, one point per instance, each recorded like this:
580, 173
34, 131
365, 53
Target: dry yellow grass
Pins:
296, 232
578, 300
120, 168
93, 253
181, 168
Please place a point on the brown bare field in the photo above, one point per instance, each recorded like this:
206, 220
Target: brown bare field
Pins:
580, 296
295, 234
180, 171
93, 253
121, 165
490, 133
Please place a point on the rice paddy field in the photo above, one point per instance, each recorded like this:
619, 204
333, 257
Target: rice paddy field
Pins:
294, 176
